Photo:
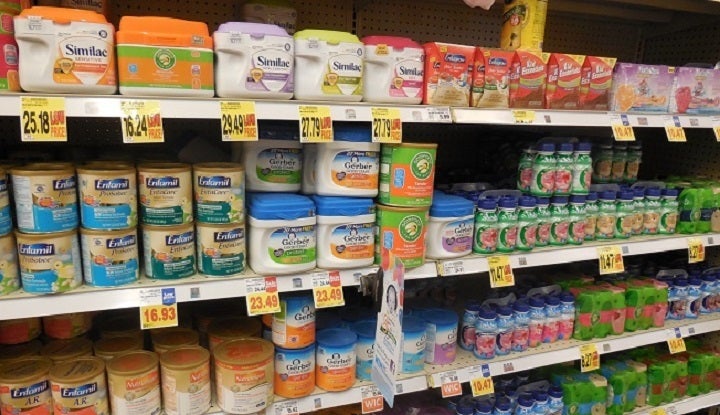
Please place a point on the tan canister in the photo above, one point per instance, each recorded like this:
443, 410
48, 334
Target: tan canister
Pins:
165, 193
185, 375
60, 351
108, 196
20, 330
169, 251
232, 328
19, 351
9, 274
134, 384
25, 387
111, 347
122, 326
78, 387
67, 326
172, 338
244, 372
220, 249
219, 190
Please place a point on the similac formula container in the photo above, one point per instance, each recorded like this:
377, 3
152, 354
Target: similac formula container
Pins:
9, 275
348, 166
67, 326
45, 198
173, 338
328, 66
450, 228
407, 174
275, 12
254, 60
414, 336
25, 387
244, 375
9, 77
19, 330
112, 347
169, 251
232, 328
394, 68
165, 191
78, 387
335, 359
49, 263
294, 372
110, 258
60, 351
345, 232
294, 326
282, 233
164, 56
65, 51
6, 220
364, 348
220, 249
219, 193
402, 232
134, 383
273, 165
185, 379
108, 197
441, 335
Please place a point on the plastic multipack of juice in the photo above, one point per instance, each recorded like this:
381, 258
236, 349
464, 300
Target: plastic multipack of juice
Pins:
645, 303
600, 311
628, 382
583, 393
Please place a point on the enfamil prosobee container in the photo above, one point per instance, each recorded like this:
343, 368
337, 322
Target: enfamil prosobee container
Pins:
164, 56
394, 68
345, 232
65, 51
328, 66
254, 61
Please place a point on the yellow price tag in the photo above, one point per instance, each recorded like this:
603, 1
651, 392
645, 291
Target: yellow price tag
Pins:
141, 122
262, 296
674, 131
482, 384
523, 116
501, 273
158, 308
372, 400
676, 345
610, 260
381, 50
238, 121
696, 250
589, 358
327, 290
621, 128
386, 125
716, 127
658, 411
315, 124
43, 119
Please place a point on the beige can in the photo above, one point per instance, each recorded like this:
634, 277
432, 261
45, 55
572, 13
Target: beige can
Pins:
67, 326
45, 198
78, 387
165, 191
19, 351
9, 276
25, 387
111, 347
60, 351
124, 325
169, 251
244, 371
172, 338
110, 258
185, 374
219, 193
19, 330
49, 263
134, 384
221, 249
108, 197
232, 328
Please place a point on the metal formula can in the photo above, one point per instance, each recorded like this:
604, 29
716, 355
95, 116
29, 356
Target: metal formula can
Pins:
165, 191
110, 258
108, 197
78, 387
219, 193
185, 374
134, 384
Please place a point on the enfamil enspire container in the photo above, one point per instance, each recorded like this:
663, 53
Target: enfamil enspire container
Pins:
394, 68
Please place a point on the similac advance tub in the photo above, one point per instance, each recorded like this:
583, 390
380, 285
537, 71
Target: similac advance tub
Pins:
165, 191
345, 232
244, 375
254, 60
219, 190
45, 198
413, 355
65, 51
78, 387
108, 197
110, 258
450, 228
220, 249
185, 379
134, 383
282, 233
394, 68
328, 66
349, 166
49, 263
364, 348
164, 56
335, 359
294, 372
9, 276
169, 251
294, 326
273, 165
25, 387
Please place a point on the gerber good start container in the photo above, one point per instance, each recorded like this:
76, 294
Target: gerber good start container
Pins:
335, 359
348, 166
402, 231
273, 165
294, 326
413, 354
345, 232
108, 197
254, 60
441, 335
164, 56
110, 258
45, 198
294, 372
65, 51
407, 174
220, 249
328, 66
364, 348
49, 263
394, 68
450, 228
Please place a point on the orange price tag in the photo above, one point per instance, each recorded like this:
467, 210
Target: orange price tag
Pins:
43, 119
238, 121
262, 296
315, 124
450, 385
501, 274
327, 290
372, 400
158, 308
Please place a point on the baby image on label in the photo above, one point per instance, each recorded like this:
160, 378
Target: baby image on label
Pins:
110, 260
343, 75
354, 241
279, 165
458, 236
293, 245
356, 169
272, 69
408, 80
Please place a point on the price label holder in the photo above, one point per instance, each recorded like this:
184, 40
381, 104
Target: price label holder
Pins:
621, 128
523, 116
716, 127
287, 408
589, 358
158, 308
610, 260
141, 122
439, 114
372, 399
262, 296
238, 121
450, 268
673, 130
676, 344
658, 411
501, 273
480, 381
386, 125
315, 124
43, 119
327, 289
696, 250
450, 385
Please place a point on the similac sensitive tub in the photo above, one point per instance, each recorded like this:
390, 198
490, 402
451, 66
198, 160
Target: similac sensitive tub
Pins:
164, 56
219, 190
45, 198
450, 228
328, 66
134, 383
413, 355
108, 196
244, 375
335, 359
165, 191
364, 348
220, 249
254, 60
49, 263
273, 165
345, 232
25, 387
9, 275
294, 326
110, 258
185, 379
169, 251
294, 372
281, 233
348, 166
78, 387
394, 68
65, 51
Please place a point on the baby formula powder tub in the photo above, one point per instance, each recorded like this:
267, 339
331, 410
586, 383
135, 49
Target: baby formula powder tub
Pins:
294, 326
164, 56
65, 51
19, 351
134, 383
244, 375
349, 166
170, 339
407, 174
273, 165
6, 220
9, 276
25, 387
19, 330
45, 198
309, 179
67, 326
345, 232
254, 61
60, 351
402, 232
275, 12
165, 191
441, 335
221, 249
335, 360
364, 348
49, 263
122, 326
108, 197
232, 328
169, 251
294, 372
185, 379
78, 387
282, 233
219, 193
394, 68
450, 228
328, 66
414, 337
112, 347
110, 258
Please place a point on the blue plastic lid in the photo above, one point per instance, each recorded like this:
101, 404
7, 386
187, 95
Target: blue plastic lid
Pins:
680, 282
670, 192
412, 324
709, 277
579, 199
625, 188
343, 206
507, 203
465, 407
473, 307
527, 201
502, 403
505, 311
567, 297
536, 302
584, 146
639, 192
653, 192
279, 206
352, 132
695, 281
365, 328
559, 200
565, 148
521, 306
608, 195
510, 391
486, 313
526, 400
255, 29
439, 316
555, 391
591, 197
325, 320
448, 206
336, 337
543, 201
540, 395
487, 204
552, 300
546, 147
483, 406
625, 196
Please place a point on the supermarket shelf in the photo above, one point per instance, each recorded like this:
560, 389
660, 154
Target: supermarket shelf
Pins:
683, 406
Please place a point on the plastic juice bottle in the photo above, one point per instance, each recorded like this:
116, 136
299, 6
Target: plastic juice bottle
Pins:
669, 212
525, 404
560, 224
486, 227
639, 210
542, 403
694, 298
624, 216
602, 164
465, 407
633, 161
466, 340
707, 206
553, 316
591, 215
652, 211
505, 327
555, 395
564, 169
525, 170
689, 209
605, 226
527, 223
537, 321
582, 169
521, 333
543, 183
619, 163
567, 316
544, 218
507, 224
577, 220
486, 327
707, 288
483, 407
